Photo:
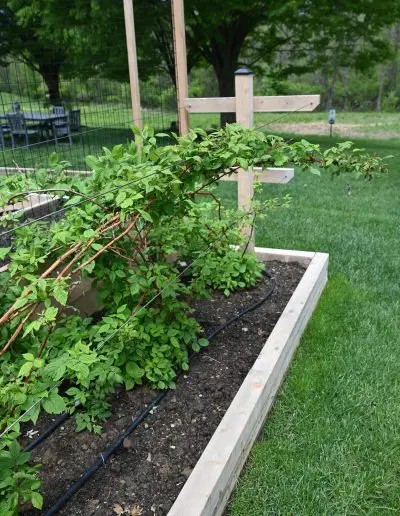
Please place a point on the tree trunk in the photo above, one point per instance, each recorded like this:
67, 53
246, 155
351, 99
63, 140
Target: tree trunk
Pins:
226, 86
51, 75
393, 72
331, 91
381, 86
223, 53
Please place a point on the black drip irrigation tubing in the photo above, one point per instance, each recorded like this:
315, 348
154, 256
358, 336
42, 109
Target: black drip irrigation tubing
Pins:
248, 309
47, 432
117, 445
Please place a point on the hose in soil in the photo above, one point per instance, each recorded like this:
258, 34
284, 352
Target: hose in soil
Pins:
103, 458
47, 432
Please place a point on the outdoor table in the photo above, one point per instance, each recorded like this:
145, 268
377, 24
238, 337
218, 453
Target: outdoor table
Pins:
37, 116
45, 120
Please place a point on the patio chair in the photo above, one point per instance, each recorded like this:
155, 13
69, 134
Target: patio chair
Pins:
58, 110
17, 127
4, 129
75, 122
65, 128
61, 130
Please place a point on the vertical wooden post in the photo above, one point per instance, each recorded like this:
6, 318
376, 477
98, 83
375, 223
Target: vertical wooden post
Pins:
182, 90
244, 117
132, 62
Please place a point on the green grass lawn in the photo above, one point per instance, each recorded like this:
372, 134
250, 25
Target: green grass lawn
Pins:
386, 125
332, 443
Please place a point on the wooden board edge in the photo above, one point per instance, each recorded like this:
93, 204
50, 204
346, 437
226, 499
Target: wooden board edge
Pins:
210, 104
208, 488
270, 175
267, 254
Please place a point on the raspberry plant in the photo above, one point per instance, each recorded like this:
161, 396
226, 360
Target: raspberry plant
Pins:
137, 231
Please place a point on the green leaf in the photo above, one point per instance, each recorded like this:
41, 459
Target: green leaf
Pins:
14, 449
6, 463
145, 215
50, 313
22, 458
60, 295
90, 266
89, 233
91, 161
195, 347
21, 302
25, 369
202, 342
126, 203
133, 370
34, 325
120, 197
4, 252
53, 159
54, 404
37, 500
315, 171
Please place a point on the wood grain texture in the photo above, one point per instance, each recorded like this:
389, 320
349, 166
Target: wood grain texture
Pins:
268, 176
182, 88
285, 103
270, 104
244, 117
211, 105
132, 62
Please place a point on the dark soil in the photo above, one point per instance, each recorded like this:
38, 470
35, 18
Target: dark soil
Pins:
146, 477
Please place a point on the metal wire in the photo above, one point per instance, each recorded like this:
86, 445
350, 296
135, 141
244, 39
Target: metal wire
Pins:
286, 115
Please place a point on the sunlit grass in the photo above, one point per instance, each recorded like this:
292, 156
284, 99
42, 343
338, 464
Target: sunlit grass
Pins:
332, 443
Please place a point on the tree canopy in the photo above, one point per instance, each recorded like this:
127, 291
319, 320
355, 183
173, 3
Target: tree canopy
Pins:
86, 37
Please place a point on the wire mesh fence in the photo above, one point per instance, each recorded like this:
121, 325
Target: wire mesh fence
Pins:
87, 115
69, 98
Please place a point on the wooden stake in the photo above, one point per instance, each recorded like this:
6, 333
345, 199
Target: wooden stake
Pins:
182, 89
244, 117
132, 62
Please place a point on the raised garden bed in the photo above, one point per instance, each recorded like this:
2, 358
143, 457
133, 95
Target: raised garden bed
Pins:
199, 422
33, 206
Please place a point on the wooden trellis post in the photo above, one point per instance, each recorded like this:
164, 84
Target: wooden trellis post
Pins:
132, 62
244, 104
244, 117
182, 89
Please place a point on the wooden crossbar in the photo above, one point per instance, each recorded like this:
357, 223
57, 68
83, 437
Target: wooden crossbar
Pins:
269, 104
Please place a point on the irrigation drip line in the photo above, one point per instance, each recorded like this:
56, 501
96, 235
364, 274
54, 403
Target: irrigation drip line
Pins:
47, 432
113, 448
248, 309
103, 458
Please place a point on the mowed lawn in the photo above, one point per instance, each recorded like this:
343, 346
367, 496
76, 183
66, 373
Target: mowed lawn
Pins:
332, 443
